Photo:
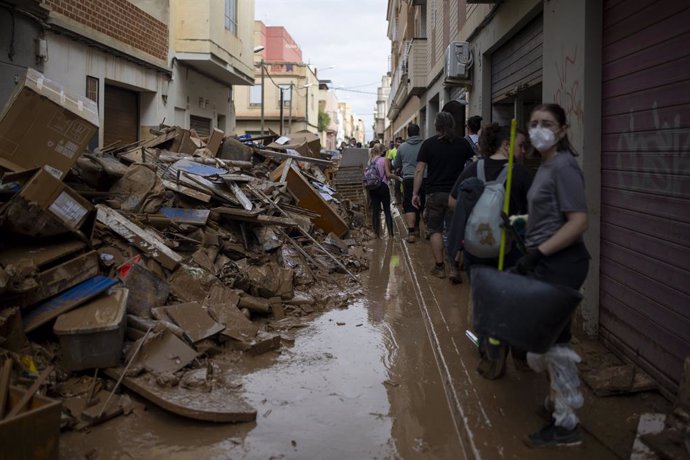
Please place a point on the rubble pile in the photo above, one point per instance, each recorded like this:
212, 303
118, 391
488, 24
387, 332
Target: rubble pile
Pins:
145, 262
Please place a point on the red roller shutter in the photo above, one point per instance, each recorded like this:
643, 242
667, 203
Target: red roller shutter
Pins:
645, 199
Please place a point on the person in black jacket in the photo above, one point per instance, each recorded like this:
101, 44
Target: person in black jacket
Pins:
494, 145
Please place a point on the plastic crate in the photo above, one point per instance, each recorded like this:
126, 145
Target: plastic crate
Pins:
92, 336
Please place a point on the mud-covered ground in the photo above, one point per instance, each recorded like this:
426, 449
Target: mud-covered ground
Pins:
390, 376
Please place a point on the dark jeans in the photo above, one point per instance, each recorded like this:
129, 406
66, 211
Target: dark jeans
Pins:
381, 197
568, 267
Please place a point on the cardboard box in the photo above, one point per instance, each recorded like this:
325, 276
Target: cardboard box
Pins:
304, 142
42, 126
45, 207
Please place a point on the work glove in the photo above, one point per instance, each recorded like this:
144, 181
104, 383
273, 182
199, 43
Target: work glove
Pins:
527, 263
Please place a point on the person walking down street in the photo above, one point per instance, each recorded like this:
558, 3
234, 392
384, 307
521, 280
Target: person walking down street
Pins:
474, 124
494, 144
556, 254
380, 197
395, 186
443, 156
406, 161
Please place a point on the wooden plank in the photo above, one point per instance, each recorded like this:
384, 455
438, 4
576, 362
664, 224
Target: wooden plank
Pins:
30, 392
328, 219
240, 196
285, 156
5, 374
58, 279
219, 405
41, 254
66, 301
236, 214
187, 191
144, 239
211, 187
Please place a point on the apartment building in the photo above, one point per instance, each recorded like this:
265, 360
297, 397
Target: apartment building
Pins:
143, 62
328, 105
285, 93
381, 121
621, 71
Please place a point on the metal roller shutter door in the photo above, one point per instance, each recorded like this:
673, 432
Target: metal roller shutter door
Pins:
121, 123
645, 197
517, 64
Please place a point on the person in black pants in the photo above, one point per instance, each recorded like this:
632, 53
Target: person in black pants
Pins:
380, 197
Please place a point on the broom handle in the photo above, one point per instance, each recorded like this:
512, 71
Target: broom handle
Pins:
509, 183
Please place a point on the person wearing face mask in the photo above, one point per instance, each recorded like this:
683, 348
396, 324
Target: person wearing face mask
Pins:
556, 254
494, 145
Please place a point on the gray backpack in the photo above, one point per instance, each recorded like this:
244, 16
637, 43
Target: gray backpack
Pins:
484, 225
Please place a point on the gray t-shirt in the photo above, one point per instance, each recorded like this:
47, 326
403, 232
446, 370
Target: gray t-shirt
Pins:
557, 188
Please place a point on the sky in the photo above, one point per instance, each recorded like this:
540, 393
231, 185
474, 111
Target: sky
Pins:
347, 34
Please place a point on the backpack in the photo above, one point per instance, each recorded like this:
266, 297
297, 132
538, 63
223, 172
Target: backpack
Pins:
484, 225
372, 178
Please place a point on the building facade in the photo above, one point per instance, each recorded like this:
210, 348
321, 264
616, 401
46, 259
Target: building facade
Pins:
381, 121
621, 72
139, 60
279, 75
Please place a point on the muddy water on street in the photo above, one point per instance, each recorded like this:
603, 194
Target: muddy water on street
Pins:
359, 383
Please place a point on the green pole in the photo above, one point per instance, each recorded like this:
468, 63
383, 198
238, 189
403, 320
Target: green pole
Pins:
509, 183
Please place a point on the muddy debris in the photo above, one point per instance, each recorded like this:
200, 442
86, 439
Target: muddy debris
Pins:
199, 249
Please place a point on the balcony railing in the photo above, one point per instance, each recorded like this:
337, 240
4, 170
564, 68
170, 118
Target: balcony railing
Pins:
410, 76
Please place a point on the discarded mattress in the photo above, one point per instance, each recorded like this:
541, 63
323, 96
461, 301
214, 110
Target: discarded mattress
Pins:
527, 313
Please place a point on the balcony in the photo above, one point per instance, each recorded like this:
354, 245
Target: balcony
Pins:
410, 77
202, 41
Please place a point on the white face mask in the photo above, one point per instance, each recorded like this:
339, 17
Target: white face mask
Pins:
542, 138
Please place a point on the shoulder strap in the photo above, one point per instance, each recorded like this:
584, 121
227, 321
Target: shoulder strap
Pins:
480, 171
503, 175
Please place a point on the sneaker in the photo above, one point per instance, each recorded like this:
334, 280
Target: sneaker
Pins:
411, 238
454, 275
552, 436
439, 271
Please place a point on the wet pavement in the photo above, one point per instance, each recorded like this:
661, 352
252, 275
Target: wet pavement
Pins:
391, 376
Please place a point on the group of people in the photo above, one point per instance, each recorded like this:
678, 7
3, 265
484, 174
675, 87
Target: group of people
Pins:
443, 178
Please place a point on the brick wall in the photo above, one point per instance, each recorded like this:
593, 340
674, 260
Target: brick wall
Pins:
118, 19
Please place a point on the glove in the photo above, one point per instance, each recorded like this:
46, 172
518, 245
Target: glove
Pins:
527, 263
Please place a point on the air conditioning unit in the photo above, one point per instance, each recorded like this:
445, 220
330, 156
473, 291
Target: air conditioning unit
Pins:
458, 61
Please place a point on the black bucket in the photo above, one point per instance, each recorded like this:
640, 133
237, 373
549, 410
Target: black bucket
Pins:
528, 314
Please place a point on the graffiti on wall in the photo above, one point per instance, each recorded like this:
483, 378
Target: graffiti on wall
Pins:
636, 152
568, 93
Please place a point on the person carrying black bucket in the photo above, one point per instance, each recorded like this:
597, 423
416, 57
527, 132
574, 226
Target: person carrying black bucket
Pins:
532, 305
473, 224
556, 254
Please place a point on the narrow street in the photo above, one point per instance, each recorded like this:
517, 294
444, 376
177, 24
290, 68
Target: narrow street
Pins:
391, 376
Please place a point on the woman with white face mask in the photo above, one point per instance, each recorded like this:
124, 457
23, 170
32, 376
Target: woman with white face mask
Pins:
556, 254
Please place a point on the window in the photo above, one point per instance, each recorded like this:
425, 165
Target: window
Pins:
287, 95
92, 93
255, 95
92, 89
231, 16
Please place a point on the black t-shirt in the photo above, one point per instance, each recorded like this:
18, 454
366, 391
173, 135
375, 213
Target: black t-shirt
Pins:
522, 180
444, 160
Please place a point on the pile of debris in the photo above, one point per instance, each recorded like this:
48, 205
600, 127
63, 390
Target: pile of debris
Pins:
146, 261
